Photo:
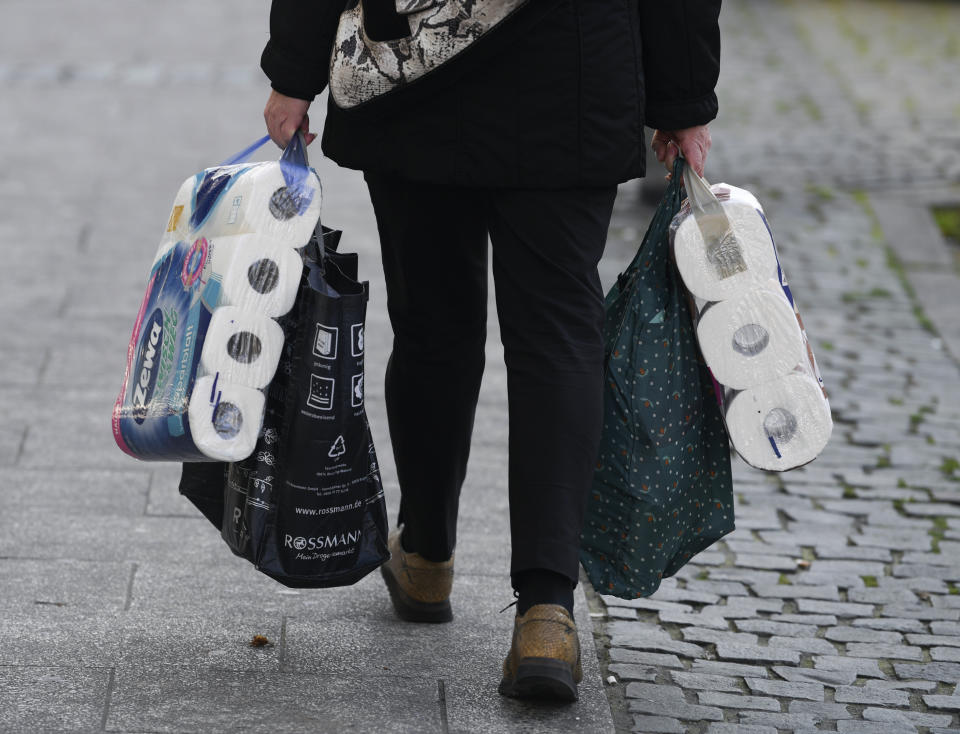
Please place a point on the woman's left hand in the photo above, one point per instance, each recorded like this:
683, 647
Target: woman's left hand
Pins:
692, 142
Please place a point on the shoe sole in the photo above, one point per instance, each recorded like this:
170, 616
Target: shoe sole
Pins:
541, 678
411, 610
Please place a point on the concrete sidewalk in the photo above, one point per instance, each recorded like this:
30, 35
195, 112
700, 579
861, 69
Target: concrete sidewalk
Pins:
122, 610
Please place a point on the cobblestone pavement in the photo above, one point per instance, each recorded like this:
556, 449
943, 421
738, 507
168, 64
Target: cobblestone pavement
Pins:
834, 606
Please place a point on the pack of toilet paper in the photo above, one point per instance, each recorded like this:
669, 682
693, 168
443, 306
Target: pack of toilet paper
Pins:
749, 327
205, 342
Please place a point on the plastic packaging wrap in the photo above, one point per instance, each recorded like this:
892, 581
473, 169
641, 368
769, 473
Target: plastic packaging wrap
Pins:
204, 343
749, 328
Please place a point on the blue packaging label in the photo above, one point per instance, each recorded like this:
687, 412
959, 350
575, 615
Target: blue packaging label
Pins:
150, 419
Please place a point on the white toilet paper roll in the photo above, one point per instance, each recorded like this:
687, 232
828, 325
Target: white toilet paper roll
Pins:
701, 276
243, 348
781, 424
263, 277
220, 255
752, 338
259, 201
225, 419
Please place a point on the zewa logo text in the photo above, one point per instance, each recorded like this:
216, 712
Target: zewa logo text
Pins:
154, 360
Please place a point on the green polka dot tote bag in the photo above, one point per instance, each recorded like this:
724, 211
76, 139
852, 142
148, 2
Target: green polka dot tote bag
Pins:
662, 490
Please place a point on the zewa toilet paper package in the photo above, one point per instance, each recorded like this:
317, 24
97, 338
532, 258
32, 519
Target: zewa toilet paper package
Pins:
749, 328
204, 343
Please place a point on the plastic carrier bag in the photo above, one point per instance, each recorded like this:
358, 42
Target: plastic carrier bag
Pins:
307, 507
749, 328
205, 342
662, 489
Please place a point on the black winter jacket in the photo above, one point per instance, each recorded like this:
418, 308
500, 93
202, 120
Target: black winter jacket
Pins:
555, 97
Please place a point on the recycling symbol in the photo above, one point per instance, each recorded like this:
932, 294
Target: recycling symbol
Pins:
338, 449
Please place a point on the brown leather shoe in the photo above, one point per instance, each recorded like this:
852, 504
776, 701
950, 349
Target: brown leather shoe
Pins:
544, 658
419, 589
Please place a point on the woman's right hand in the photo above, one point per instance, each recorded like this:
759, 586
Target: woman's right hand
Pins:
284, 116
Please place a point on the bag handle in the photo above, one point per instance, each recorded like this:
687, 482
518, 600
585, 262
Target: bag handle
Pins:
294, 164
723, 249
294, 155
244, 155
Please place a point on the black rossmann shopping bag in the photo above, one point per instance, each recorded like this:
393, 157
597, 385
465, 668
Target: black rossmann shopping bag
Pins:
307, 507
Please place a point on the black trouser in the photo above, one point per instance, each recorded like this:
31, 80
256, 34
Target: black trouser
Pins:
546, 245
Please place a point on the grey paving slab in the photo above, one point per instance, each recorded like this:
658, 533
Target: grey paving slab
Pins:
93, 537
740, 729
803, 644
861, 666
628, 672
803, 675
330, 645
907, 717
648, 659
59, 638
704, 681
12, 437
169, 699
943, 672
908, 685
737, 701
80, 696
71, 493
679, 709
717, 667
79, 428
786, 721
869, 727
937, 294
945, 654
714, 636
904, 220
163, 496
26, 583
472, 706
864, 695
655, 724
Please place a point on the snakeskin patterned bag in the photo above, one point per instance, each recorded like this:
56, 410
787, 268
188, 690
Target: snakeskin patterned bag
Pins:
362, 69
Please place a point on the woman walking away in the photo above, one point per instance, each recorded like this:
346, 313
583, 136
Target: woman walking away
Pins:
513, 121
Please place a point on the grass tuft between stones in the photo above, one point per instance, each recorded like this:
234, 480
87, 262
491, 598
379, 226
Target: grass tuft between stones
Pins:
948, 220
